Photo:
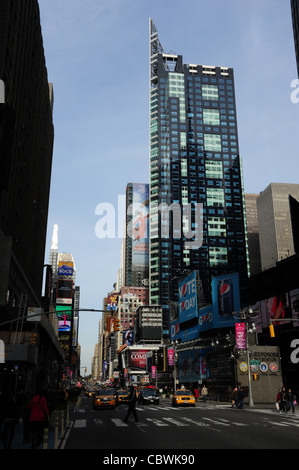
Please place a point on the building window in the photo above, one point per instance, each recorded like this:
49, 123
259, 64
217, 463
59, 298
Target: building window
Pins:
210, 92
212, 142
211, 117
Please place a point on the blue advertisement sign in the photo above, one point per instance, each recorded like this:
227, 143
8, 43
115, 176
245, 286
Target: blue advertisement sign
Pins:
65, 270
226, 299
221, 314
188, 298
192, 366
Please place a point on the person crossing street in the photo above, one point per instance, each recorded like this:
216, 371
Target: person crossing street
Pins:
132, 405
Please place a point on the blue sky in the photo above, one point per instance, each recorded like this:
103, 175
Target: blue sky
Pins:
97, 56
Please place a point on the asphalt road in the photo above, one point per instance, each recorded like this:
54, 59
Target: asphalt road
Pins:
162, 427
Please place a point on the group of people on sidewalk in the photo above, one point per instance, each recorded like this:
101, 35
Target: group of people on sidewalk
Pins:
238, 398
285, 400
34, 413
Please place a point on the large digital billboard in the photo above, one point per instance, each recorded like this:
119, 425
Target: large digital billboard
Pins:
226, 299
64, 294
188, 298
140, 227
64, 314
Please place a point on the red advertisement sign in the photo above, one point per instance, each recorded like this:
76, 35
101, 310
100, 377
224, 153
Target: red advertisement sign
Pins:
137, 359
240, 335
170, 357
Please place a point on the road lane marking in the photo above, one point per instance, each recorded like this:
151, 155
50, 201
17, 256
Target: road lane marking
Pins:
80, 423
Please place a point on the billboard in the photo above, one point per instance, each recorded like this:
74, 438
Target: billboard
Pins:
65, 268
112, 302
192, 366
140, 227
64, 293
64, 314
188, 298
137, 359
128, 337
226, 299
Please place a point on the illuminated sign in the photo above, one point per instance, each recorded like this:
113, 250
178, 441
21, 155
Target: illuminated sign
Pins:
188, 298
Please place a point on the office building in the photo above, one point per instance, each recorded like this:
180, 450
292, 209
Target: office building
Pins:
26, 146
253, 234
195, 166
274, 220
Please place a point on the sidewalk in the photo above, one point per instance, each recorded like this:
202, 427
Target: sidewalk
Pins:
52, 435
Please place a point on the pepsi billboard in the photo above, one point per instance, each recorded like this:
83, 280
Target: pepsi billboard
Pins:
188, 298
226, 299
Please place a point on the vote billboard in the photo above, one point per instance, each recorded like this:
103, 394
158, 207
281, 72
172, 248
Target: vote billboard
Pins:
188, 298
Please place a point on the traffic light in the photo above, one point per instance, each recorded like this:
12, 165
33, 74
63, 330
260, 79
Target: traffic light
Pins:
272, 332
116, 324
33, 339
108, 324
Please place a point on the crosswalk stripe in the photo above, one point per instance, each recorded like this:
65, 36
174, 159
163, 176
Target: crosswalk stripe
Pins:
173, 421
233, 422
198, 423
216, 422
118, 422
157, 422
80, 423
290, 423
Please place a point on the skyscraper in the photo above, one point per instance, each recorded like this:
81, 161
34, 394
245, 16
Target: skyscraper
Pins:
26, 146
295, 20
194, 163
274, 220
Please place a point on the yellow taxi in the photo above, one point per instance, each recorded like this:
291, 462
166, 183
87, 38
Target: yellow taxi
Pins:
123, 396
104, 399
183, 397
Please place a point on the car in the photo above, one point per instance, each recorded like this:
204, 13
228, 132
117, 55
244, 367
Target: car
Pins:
183, 397
104, 399
123, 396
114, 391
91, 393
148, 396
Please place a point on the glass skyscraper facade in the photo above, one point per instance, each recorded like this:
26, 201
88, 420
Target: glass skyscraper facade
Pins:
194, 163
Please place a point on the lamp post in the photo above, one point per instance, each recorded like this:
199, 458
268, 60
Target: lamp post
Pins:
246, 318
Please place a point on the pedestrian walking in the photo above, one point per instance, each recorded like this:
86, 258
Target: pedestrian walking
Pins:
240, 395
204, 393
132, 404
284, 400
39, 415
24, 413
10, 419
278, 401
291, 399
235, 398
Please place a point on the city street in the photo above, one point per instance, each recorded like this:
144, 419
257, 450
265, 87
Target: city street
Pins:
207, 426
